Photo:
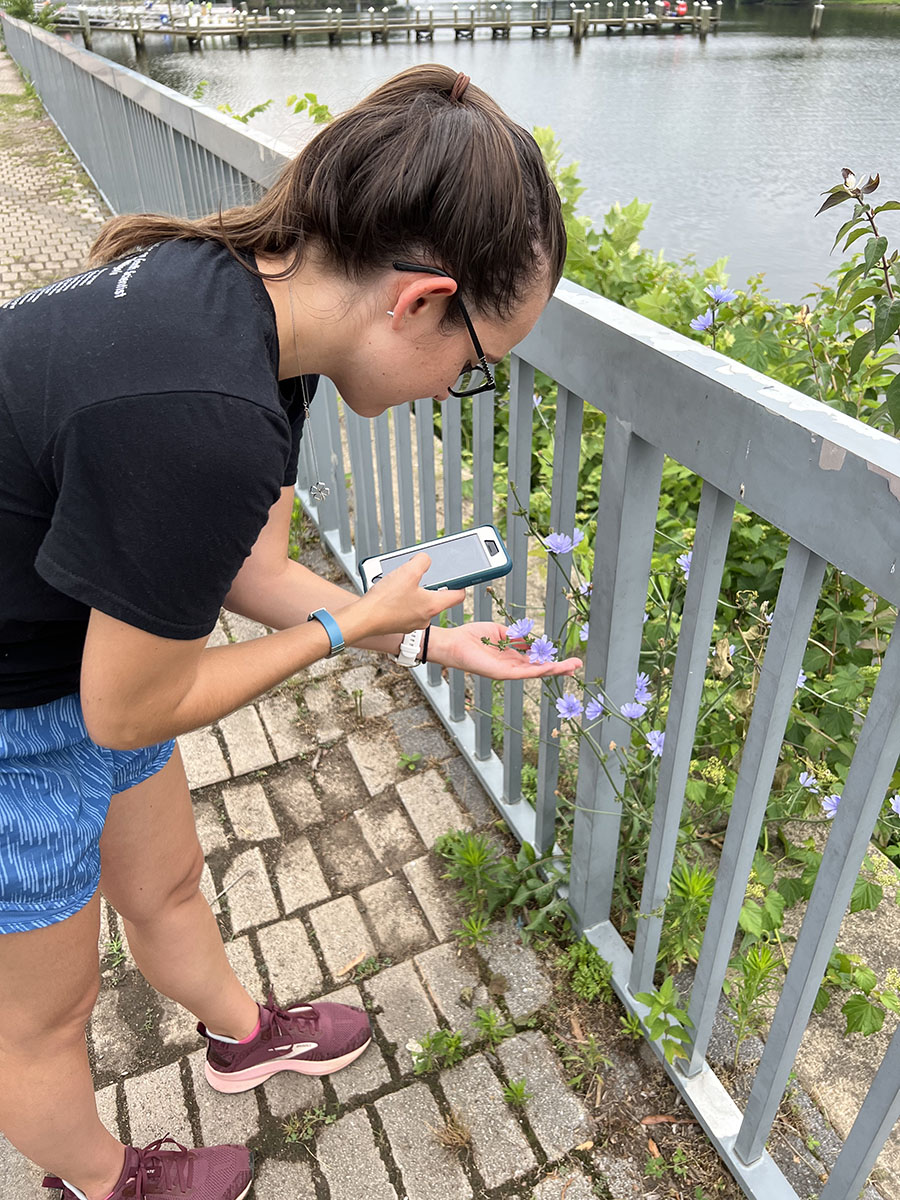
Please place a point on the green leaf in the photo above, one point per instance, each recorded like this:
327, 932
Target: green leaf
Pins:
792, 890
836, 197
888, 204
849, 279
845, 228
823, 999
892, 401
864, 293
862, 347
856, 236
862, 1016
864, 978
887, 320
866, 895
751, 918
890, 1000
774, 908
874, 250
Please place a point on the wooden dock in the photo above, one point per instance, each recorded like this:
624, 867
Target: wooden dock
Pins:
588, 19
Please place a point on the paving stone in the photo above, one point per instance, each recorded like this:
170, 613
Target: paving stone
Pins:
240, 955
209, 828
395, 917
623, 1177
527, 987
156, 1106
370, 1071
293, 794
431, 807
419, 733
299, 876
565, 1185
428, 1169
388, 833
204, 762
283, 1181
339, 784
223, 1118
107, 1108
376, 760
290, 1092
341, 932
500, 1148
350, 1160
114, 1043
294, 971
322, 701
345, 857
249, 812
375, 701
177, 1027
281, 719
242, 629
406, 1012
558, 1118
471, 794
19, 1178
451, 980
435, 896
246, 741
208, 888
251, 900
219, 636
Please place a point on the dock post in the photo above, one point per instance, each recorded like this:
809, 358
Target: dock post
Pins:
85, 22
816, 25
705, 16
472, 21
578, 28
384, 23
138, 33
625, 8
430, 23
587, 18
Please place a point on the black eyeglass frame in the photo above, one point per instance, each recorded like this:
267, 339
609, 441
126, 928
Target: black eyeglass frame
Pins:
482, 361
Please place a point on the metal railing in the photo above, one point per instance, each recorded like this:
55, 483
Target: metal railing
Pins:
829, 482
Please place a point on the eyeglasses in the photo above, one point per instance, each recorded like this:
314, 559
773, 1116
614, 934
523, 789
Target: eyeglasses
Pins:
473, 380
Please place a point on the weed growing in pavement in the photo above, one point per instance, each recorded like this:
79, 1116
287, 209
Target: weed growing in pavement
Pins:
587, 1060
302, 1127
370, 966
116, 953
437, 1050
516, 1093
492, 1029
631, 1027
752, 992
357, 695
590, 976
474, 931
667, 1022
455, 1134
410, 762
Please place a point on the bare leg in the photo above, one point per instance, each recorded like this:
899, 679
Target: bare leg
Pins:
151, 867
49, 980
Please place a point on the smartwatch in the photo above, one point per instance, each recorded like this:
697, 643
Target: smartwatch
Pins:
410, 649
331, 627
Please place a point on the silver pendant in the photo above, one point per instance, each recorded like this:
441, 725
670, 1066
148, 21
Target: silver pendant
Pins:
319, 491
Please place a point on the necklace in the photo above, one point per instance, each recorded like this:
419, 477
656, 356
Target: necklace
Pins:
319, 490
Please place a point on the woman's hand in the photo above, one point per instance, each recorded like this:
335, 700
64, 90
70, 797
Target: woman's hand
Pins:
398, 604
464, 648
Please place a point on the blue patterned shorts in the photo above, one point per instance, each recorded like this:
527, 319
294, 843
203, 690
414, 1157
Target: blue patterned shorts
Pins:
55, 789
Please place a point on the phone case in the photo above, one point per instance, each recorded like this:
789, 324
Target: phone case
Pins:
495, 572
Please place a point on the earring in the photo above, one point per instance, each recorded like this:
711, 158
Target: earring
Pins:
390, 312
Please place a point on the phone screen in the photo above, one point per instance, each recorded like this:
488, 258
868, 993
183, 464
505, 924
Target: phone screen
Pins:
450, 559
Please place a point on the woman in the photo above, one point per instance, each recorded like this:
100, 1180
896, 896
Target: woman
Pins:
150, 415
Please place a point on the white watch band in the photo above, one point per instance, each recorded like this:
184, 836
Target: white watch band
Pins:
410, 649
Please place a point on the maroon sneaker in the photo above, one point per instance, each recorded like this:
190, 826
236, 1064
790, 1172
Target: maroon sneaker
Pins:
313, 1039
216, 1173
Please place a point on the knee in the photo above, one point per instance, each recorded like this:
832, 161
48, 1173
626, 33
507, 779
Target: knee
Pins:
54, 1020
150, 903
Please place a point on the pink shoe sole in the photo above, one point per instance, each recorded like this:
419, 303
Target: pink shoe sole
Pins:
244, 1081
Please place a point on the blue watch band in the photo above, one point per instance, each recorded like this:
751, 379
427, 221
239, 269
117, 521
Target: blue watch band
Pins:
331, 627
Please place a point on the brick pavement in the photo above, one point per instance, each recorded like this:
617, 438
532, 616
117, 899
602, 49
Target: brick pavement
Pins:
49, 210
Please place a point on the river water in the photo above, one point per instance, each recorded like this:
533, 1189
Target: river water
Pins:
731, 139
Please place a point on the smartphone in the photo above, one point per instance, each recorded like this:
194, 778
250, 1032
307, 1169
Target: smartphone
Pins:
457, 560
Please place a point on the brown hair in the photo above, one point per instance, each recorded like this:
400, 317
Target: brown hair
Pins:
424, 168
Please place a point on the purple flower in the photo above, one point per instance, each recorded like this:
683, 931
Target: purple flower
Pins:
585, 588
561, 543
684, 561
520, 628
585, 632
536, 400
768, 618
595, 710
542, 651
655, 741
830, 804
632, 712
703, 322
808, 781
895, 800
646, 618
801, 678
719, 294
731, 650
570, 707
642, 693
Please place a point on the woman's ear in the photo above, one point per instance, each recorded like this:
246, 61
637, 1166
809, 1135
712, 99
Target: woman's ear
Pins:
422, 295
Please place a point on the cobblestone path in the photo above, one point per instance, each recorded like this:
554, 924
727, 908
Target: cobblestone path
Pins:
49, 210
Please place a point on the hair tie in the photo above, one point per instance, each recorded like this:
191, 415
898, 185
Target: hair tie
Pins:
460, 83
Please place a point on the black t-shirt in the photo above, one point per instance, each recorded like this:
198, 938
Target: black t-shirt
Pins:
144, 436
